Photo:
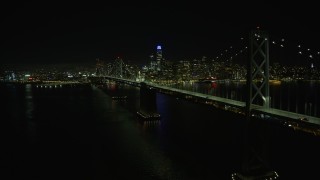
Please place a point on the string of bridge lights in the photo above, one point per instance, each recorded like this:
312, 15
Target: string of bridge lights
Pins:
230, 54
281, 43
300, 49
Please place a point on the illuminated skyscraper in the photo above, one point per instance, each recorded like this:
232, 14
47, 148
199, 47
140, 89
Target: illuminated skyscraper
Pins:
153, 63
159, 57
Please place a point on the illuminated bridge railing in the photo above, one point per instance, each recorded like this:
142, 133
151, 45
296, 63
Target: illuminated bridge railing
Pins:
226, 101
287, 114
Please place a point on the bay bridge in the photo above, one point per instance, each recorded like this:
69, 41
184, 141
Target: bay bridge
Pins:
256, 105
258, 96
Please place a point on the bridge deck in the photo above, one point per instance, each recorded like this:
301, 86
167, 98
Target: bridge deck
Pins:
287, 114
226, 101
267, 111
239, 104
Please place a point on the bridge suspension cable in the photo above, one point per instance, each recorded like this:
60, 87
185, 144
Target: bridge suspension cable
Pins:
121, 70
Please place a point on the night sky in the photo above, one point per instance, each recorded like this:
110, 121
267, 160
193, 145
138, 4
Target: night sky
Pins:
42, 32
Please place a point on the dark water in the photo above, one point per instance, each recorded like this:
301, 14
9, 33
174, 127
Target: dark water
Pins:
81, 133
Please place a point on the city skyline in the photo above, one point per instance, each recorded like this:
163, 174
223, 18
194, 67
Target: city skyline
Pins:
68, 33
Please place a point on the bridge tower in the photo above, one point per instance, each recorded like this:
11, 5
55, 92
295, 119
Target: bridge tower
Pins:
258, 71
121, 70
256, 162
118, 67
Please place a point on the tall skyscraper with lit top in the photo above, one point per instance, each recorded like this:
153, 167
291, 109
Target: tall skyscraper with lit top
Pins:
159, 57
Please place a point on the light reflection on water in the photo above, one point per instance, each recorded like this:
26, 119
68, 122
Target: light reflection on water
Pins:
29, 101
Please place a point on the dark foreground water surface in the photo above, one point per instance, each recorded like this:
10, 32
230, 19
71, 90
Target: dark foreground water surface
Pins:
81, 133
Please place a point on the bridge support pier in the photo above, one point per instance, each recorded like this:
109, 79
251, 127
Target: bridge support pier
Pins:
148, 103
256, 162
